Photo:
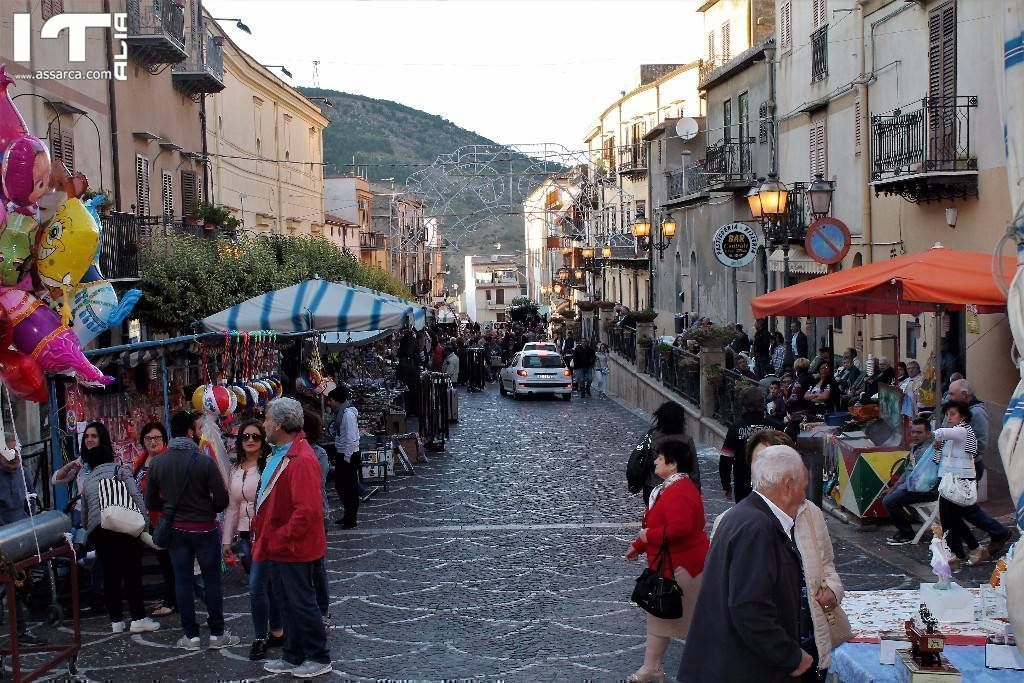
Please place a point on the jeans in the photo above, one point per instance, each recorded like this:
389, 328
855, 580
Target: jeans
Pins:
952, 517
346, 479
898, 499
585, 377
305, 638
601, 380
323, 592
981, 519
266, 609
121, 557
167, 572
186, 548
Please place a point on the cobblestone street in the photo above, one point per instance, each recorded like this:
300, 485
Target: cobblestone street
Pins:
500, 559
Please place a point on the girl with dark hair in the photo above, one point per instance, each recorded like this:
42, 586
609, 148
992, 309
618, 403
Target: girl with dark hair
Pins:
120, 555
669, 424
251, 451
154, 442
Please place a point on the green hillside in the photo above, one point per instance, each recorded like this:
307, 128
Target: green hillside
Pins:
384, 139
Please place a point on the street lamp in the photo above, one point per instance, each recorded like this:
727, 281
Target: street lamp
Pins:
754, 200
606, 252
819, 193
588, 252
562, 273
282, 67
641, 229
238, 24
668, 228
773, 197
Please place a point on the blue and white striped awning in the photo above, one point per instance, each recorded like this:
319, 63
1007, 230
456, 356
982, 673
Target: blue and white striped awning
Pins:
319, 305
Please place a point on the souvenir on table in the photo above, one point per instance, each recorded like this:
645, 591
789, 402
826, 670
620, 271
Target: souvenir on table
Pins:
947, 600
924, 661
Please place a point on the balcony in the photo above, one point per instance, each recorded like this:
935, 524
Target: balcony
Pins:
372, 241
727, 165
923, 152
156, 31
706, 67
819, 54
633, 159
203, 72
687, 185
125, 233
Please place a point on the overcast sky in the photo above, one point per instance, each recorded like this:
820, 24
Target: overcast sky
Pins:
521, 71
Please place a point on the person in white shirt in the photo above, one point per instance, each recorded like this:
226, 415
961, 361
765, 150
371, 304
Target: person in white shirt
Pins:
347, 460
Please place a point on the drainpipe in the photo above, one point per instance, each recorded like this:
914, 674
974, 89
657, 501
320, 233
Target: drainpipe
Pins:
865, 156
207, 180
112, 105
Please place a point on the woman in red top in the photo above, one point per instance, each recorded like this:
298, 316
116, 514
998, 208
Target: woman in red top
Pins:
154, 442
675, 516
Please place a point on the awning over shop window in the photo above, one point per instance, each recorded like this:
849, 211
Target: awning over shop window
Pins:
799, 262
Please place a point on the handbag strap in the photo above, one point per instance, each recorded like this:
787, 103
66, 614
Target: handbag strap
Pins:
664, 552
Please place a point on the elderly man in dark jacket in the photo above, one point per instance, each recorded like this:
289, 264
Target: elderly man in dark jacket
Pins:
748, 624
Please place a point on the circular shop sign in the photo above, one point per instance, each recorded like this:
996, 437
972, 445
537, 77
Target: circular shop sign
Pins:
828, 240
735, 244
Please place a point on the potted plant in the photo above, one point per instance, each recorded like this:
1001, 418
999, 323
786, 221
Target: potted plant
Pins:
606, 305
568, 314
664, 349
713, 336
715, 373
586, 305
644, 342
646, 315
212, 215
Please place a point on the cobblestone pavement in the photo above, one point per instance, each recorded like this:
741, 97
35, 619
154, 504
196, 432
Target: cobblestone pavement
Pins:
501, 559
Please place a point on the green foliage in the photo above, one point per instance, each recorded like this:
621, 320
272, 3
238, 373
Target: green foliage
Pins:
523, 302
186, 277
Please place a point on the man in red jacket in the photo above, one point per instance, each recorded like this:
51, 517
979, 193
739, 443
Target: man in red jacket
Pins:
288, 534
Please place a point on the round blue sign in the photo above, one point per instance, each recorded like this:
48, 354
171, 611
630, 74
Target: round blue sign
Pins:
828, 240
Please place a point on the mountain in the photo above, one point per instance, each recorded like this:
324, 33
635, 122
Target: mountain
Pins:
384, 139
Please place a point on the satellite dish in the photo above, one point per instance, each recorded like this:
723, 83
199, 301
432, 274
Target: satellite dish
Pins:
687, 128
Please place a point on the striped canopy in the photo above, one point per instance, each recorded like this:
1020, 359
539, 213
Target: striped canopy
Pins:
319, 305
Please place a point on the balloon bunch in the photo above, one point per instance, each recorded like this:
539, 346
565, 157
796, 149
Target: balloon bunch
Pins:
53, 297
247, 375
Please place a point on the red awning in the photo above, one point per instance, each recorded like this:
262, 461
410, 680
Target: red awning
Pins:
913, 283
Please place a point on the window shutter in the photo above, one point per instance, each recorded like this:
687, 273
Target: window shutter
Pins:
786, 25
726, 51
762, 123
167, 193
62, 147
711, 46
141, 185
942, 53
818, 143
188, 192
819, 11
857, 113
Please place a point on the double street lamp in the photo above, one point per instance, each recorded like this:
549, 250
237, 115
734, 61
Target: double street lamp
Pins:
642, 232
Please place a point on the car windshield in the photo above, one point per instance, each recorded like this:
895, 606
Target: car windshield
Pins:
542, 361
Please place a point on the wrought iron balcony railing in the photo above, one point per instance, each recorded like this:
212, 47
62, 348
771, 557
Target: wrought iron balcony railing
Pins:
691, 180
727, 163
633, 158
931, 136
156, 31
705, 67
372, 241
203, 71
819, 54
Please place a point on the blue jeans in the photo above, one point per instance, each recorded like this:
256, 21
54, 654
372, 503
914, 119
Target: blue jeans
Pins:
305, 638
981, 519
266, 610
186, 548
899, 498
584, 378
323, 593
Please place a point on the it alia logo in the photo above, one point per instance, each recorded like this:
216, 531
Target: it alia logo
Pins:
76, 25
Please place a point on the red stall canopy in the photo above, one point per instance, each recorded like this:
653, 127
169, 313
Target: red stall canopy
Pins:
912, 283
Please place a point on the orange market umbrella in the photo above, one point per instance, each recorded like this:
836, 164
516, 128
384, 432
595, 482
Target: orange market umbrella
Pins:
912, 283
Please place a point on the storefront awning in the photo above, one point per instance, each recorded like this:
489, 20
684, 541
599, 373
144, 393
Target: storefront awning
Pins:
799, 262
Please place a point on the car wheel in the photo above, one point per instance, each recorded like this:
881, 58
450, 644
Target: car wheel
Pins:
501, 387
515, 392
566, 397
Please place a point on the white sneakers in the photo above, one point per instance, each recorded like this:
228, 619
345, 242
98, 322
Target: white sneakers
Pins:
143, 625
226, 640
308, 669
117, 626
186, 643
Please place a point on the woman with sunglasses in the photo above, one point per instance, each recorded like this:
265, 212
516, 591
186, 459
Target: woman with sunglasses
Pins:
251, 450
154, 442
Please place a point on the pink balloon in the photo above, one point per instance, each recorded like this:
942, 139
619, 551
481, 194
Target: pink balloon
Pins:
12, 125
36, 331
25, 172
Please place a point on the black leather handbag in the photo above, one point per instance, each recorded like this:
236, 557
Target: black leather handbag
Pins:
657, 595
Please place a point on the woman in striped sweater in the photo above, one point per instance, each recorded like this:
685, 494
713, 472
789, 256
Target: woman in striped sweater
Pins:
955, 449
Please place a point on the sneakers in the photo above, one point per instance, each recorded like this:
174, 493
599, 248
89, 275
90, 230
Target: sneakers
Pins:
117, 626
144, 625
186, 643
899, 539
258, 650
977, 556
311, 669
226, 640
163, 610
279, 666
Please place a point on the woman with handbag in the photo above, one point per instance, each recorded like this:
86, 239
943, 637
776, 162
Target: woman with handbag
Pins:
251, 451
956, 446
154, 442
675, 543
120, 554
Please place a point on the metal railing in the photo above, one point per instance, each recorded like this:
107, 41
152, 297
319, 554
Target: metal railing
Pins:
728, 161
705, 67
934, 135
689, 180
156, 18
680, 372
633, 157
819, 54
207, 57
124, 234
371, 241
729, 389
624, 342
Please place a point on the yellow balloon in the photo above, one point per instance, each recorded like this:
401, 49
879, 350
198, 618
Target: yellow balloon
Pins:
67, 246
197, 397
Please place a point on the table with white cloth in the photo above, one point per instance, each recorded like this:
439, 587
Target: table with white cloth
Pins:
874, 612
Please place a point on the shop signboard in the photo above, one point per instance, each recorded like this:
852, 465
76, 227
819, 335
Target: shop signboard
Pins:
377, 465
735, 244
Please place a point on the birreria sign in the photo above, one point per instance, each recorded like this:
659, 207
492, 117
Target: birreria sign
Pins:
76, 25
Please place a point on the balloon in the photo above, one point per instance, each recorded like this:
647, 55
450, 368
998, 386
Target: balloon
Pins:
16, 240
23, 376
241, 397
25, 173
254, 396
66, 247
12, 125
219, 400
36, 331
197, 397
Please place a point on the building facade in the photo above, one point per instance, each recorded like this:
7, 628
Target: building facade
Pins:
491, 283
265, 142
550, 220
349, 197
